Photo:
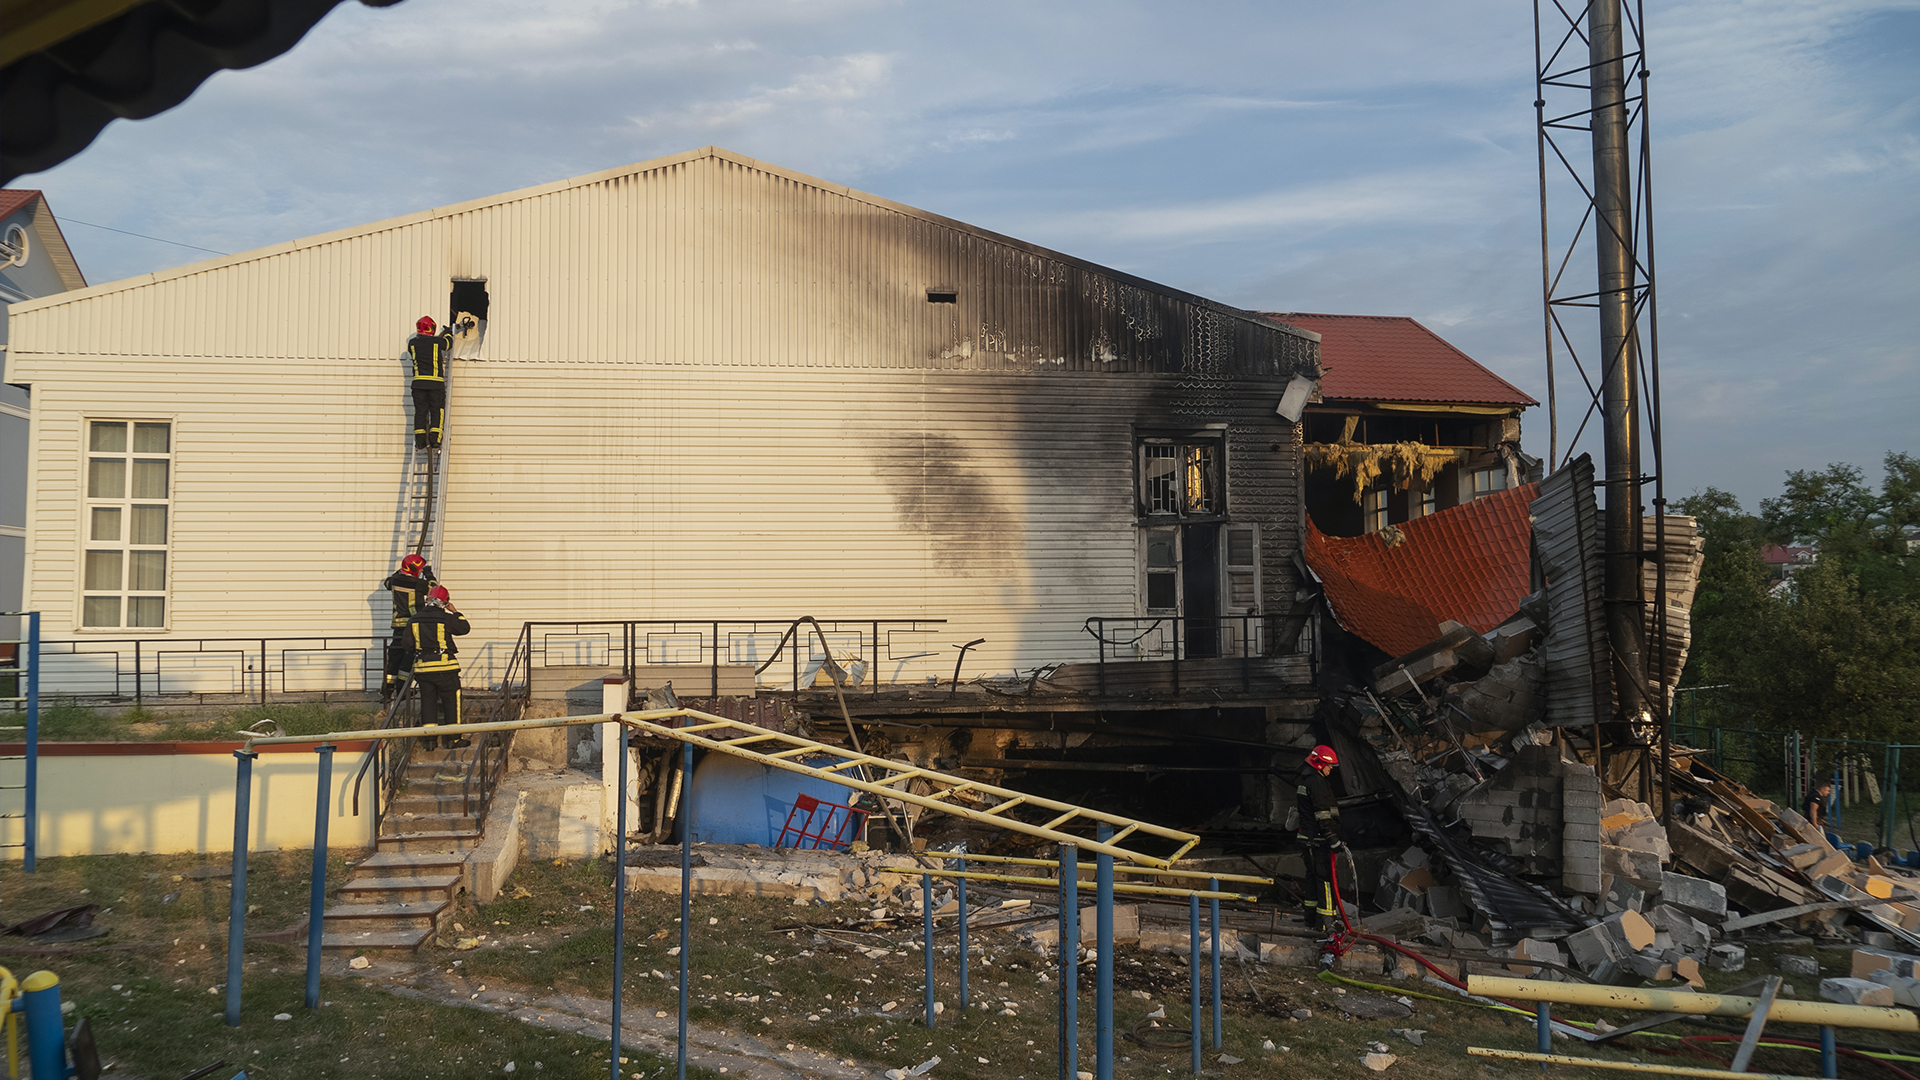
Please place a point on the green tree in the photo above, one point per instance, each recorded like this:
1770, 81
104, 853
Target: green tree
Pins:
1836, 649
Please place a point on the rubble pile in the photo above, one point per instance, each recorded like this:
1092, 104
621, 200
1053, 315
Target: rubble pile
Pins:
1524, 850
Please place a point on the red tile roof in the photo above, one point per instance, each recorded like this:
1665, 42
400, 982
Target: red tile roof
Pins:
1394, 358
12, 199
1470, 564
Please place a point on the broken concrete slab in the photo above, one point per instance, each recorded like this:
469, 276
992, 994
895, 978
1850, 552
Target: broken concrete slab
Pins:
1687, 934
1698, 897
1640, 867
1851, 991
1794, 964
1727, 957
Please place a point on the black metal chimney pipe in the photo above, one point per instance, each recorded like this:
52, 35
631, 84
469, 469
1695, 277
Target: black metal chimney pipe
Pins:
1614, 243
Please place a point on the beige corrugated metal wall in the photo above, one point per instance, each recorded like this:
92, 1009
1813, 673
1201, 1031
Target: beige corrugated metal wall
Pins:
710, 388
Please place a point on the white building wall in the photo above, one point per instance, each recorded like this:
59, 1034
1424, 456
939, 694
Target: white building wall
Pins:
709, 389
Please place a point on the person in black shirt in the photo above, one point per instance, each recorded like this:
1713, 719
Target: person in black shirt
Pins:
1319, 807
429, 351
409, 586
1815, 808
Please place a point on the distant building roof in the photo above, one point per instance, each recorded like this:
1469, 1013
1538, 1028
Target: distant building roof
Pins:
1469, 563
1775, 555
12, 199
1394, 358
46, 229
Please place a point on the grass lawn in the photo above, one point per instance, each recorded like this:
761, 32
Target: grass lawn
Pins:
63, 721
815, 976
153, 988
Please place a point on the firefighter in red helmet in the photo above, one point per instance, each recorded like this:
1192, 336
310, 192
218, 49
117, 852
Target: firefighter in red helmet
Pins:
1319, 808
408, 587
428, 351
436, 663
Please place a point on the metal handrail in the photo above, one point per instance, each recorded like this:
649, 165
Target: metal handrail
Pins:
1178, 648
712, 641
259, 662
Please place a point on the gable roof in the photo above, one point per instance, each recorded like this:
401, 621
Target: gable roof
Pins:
1394, 358
46, 229
1470, 563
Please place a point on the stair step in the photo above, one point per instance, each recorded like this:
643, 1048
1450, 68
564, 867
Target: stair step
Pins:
415, 862
390, 890
357, 940
421, 842
400, 824
418, 803
391, 916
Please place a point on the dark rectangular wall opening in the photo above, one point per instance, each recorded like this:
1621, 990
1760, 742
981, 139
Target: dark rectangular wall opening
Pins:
942, 294
470, 296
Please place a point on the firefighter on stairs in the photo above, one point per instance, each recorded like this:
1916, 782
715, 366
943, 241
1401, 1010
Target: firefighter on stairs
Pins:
436, 662
408, 586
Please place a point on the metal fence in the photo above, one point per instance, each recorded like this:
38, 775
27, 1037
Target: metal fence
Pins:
211, 670
1876, 784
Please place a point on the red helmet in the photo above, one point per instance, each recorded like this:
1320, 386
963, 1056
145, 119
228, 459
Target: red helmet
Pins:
425, 325
412, 564
438, 595
1323, 757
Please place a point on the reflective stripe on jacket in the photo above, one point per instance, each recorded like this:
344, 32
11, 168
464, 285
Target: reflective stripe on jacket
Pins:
431, 633
429, 353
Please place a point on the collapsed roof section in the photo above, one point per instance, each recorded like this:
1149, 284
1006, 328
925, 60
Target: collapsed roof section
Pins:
1393, 588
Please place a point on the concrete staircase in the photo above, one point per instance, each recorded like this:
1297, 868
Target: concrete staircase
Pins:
401, 897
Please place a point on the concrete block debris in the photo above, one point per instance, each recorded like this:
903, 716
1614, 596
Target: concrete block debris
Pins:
1794, 964
1851, 991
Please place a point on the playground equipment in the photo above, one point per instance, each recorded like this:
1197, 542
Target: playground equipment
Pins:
52, 1052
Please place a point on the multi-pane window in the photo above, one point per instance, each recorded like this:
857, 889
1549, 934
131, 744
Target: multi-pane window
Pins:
126, 526
1373, 509
1181, 479
1488, 481
1430, 501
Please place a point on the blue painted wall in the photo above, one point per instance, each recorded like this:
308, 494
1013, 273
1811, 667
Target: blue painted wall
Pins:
736, 801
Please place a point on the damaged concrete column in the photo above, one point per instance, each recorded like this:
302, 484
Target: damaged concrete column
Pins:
613, 699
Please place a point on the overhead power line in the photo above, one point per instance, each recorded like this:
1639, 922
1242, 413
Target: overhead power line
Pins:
143, 236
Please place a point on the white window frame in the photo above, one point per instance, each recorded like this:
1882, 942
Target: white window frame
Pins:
1148, 571
1495, 477
1374, 512
124, 511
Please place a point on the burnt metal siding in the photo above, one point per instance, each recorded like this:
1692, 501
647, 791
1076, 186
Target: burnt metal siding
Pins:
704, 259
1567, 541
710, 389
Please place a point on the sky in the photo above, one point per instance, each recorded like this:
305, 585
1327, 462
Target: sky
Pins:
1372, 158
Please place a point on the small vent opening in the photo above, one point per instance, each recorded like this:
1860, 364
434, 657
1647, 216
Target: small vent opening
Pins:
941, 294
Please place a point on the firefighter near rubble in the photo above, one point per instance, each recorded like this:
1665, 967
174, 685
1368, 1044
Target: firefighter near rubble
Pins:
428, 350
1320, 833
408, 586
436, 662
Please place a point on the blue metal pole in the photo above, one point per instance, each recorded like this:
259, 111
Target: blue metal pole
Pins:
1103, 965
686, 888
1829, 1053
46, 1043
620, 897
1543, 1028
237, 914
317, 891
1070, 960
961, 895
32, 820
1193, 968
926, 936
1213, 913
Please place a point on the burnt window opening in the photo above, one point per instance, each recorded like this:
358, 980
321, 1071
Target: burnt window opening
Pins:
467, 318
1182, 478
941, 294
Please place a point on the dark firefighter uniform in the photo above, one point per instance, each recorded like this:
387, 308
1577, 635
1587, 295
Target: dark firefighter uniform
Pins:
1319, 830
436, 663
409, 593
429, 354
